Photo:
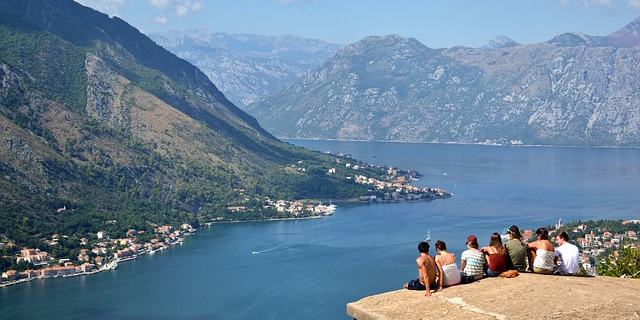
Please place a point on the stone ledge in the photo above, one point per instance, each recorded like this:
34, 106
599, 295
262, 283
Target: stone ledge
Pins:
529, 296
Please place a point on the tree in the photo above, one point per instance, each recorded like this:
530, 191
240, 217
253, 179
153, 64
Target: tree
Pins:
626, 265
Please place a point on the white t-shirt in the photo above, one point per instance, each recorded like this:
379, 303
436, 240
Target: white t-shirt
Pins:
570, 258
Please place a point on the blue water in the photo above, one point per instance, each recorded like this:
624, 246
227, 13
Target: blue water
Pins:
310, 269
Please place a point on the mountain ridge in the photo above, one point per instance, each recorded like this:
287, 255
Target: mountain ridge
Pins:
567, 92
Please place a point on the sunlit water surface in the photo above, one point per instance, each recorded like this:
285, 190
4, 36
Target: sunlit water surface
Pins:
310, 269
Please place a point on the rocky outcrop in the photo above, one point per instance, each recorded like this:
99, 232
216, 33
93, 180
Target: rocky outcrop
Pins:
528, 296
573, 90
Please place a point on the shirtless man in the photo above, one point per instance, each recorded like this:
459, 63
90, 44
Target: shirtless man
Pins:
426, 271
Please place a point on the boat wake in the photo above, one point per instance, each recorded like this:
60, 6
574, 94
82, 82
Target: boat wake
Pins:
281, 247
263, 251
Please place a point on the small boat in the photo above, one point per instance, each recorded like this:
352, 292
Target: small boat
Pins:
332, 207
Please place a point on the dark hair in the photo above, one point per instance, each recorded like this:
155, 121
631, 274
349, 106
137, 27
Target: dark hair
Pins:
423, 247
496, 242
440, 245
543, 233
563, 235
473, 244
515, 232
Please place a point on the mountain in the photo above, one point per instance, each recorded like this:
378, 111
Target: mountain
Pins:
572, 90
247, 67
627, 36
575, 39
500, 42
98, 119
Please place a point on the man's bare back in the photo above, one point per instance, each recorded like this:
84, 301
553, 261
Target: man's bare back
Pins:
426, 271
426, 264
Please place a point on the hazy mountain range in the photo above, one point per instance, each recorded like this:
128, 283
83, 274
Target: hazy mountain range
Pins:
574, 89
247, 67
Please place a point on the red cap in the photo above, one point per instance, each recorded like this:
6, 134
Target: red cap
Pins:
471, 238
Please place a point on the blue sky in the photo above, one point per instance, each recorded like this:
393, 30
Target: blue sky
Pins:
435, 23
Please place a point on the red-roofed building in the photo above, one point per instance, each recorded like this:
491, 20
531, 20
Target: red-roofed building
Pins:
87, 267
589, 236
59, 271
10, 275
28, 274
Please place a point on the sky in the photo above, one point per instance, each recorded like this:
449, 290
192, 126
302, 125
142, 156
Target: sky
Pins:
435, 23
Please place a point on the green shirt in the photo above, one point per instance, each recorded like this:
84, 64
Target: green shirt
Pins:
517, 254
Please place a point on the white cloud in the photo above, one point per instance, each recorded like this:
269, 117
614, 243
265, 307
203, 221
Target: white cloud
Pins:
160, 20
609, 5
596, 3
181, 11
110, 7
161, 4
180, 8
635, 4
297, 1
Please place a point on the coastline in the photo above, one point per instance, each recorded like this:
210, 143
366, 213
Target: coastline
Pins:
108, 265
105, 267
464, 143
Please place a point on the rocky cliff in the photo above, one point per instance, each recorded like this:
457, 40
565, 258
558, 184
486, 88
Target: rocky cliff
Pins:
572, 90
528, 296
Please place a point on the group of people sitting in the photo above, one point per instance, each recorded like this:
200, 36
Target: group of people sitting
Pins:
539, 257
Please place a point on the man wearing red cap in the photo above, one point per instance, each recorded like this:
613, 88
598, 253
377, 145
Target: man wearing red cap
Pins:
473, 259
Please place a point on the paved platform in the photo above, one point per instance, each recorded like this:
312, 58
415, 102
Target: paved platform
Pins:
528, 296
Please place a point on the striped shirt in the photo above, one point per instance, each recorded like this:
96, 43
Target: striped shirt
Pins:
474, 263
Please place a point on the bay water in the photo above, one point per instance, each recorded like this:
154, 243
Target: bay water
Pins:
310, 269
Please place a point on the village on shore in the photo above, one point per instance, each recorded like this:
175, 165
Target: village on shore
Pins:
105, 254
100, 252
395, 186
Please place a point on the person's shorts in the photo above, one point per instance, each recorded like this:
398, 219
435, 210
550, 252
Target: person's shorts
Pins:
416, 285
543, 271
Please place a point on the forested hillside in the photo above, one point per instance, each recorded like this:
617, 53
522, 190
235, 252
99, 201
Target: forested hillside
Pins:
97, 119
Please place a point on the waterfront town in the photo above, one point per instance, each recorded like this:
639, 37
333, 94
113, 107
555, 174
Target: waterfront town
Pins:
393, 186
99, 252
104, 254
